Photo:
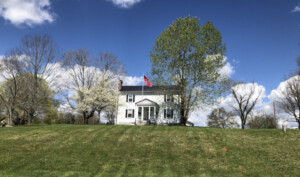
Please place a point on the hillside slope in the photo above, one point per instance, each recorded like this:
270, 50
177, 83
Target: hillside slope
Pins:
79, 150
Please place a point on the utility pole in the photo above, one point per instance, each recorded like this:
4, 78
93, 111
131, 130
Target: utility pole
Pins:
275, 121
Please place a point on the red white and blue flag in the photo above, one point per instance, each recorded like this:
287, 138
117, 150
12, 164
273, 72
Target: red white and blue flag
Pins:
147, 81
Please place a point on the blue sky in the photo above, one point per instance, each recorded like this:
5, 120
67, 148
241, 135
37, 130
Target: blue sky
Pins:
261, 36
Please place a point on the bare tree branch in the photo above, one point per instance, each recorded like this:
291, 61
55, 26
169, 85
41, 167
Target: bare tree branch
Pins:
245, 102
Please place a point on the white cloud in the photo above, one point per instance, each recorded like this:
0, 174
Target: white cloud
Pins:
227, 70
199, 117
296, 9
243, 89
28, 12
131, 80
124, 3
276, 95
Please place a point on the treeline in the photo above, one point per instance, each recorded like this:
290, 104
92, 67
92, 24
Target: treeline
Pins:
246, 97
32, 89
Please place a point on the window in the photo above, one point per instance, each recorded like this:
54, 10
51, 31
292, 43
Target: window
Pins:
130, 98
151, 112
140, 113
168, 113
169, 98
129, 113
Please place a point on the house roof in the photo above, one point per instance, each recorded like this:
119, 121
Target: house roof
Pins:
164, 88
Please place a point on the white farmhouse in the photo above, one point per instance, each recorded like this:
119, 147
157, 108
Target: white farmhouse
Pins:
141, 105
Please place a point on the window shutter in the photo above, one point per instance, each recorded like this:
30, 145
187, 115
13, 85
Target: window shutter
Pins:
126, 114
165, 98
172, 98
165, 113
133, 98
126, 99
133, 111
172, 113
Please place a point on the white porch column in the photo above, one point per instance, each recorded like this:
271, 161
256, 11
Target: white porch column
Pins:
142, 117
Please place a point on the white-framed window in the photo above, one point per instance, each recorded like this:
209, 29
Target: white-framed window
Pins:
130, 98
169, 98
168, 113
129, 113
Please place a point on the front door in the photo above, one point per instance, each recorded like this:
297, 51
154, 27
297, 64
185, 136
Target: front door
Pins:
146, 113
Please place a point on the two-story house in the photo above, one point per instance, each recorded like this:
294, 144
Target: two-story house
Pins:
140, 105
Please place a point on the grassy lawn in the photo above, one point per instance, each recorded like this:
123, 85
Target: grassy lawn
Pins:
79, 150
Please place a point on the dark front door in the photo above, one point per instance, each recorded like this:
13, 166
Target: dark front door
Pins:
146, 113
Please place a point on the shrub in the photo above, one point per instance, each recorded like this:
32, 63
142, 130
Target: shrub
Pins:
261, 121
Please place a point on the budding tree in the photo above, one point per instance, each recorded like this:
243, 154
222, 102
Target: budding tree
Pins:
37, 53
189, 55
92, 81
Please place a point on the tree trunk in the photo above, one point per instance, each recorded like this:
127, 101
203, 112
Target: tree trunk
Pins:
182, 113
87, 116
299, 125
85, 121
31, 117
99, 114
10, 118
183, 116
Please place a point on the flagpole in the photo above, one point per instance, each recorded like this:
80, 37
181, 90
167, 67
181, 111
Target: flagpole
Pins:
143, 87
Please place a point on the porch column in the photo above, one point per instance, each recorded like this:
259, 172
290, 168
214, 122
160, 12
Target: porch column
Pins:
154, 112
149, 113
142, 117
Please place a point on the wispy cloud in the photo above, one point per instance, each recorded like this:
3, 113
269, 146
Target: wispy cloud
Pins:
125, 3
296, 8
26, 12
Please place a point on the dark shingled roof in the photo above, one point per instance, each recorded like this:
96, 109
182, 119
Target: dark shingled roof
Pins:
150, 89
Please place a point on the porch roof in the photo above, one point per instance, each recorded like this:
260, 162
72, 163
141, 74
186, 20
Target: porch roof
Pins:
146, 102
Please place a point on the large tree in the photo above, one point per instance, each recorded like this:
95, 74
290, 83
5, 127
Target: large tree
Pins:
246, 97
10, 88
82, 79
110, 71
189, 55
35, 55
289, 101
15, 95
92, 81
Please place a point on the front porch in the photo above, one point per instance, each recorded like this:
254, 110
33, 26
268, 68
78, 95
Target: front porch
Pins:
147, 112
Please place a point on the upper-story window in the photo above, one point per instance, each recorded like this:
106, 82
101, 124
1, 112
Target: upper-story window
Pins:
169, 98
130, 98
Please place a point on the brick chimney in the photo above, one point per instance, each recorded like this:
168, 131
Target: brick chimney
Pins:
120, 85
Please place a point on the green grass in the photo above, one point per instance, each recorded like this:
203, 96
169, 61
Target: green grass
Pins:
78, 150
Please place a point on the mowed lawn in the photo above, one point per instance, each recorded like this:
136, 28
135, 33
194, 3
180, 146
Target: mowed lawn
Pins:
79, 150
